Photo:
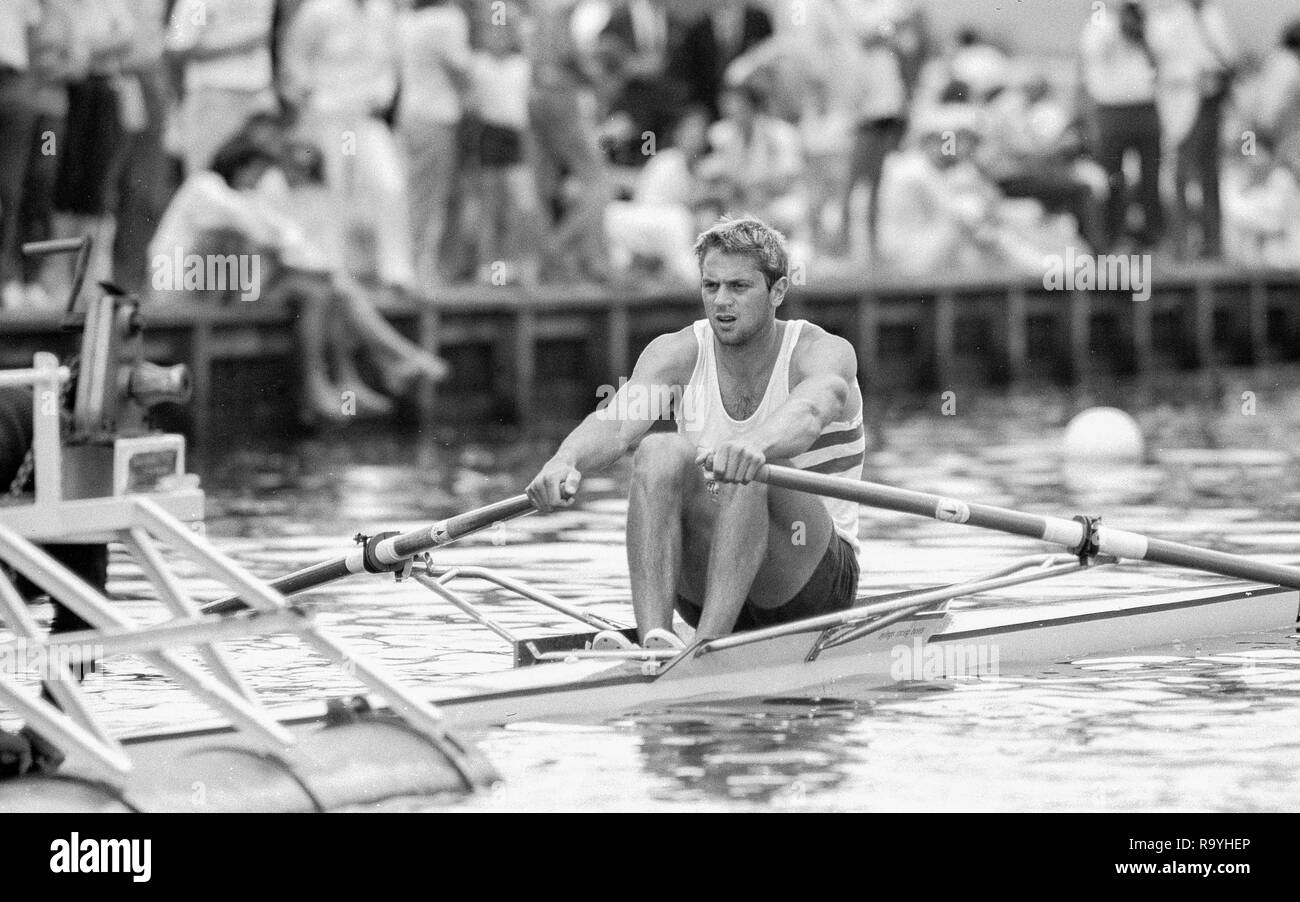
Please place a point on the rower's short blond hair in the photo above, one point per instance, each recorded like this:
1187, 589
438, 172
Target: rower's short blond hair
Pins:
749, 236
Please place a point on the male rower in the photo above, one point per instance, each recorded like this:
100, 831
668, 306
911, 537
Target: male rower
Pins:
744, 388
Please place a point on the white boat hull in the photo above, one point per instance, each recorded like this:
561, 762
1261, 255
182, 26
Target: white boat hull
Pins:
1015, 639
975, 641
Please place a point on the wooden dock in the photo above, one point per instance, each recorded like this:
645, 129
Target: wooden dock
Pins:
531, 357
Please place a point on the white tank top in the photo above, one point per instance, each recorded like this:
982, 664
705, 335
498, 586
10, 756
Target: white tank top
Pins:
703, 419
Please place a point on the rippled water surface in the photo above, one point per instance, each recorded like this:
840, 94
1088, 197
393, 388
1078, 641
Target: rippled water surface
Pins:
1212, 726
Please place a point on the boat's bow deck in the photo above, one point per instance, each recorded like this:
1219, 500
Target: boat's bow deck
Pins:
1062, 630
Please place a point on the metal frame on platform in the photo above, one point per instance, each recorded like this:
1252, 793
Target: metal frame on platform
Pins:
145, 524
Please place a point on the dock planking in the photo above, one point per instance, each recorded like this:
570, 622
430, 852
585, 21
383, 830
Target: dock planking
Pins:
528, 356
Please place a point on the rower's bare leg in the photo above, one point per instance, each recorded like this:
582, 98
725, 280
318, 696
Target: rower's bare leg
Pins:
740, 539
793, 541
664, 470
799, 532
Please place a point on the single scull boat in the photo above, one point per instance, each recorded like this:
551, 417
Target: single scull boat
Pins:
881, 642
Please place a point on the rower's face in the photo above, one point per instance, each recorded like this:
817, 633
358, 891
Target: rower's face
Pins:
737, 301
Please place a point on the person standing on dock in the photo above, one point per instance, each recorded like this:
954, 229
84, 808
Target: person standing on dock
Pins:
223, 49
1119, 81
744, 389
1198, 61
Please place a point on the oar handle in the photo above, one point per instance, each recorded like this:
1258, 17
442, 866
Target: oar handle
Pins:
426, 538
388, 553
1057, 530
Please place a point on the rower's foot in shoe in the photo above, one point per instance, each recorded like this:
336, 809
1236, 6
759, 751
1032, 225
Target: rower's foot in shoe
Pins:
612, 640
662, 638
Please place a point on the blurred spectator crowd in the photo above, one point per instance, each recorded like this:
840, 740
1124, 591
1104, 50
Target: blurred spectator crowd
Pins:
407, 144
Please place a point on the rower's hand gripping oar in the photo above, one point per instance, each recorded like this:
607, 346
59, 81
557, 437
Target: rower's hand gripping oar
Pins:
1082, 536
388, 552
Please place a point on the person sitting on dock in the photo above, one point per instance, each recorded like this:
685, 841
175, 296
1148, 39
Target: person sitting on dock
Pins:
744, 388
264, 201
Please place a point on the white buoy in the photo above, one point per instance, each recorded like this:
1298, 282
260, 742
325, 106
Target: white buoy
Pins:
1104, 434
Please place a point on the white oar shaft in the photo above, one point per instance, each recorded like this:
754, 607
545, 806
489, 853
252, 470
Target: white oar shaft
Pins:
401, 547
387, 552
1057, 530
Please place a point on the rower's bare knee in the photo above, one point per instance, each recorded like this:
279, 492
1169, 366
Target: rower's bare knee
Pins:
663, 461
732, 494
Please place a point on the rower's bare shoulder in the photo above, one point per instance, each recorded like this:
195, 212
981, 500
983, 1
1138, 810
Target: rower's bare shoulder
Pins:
817, 349
672, 354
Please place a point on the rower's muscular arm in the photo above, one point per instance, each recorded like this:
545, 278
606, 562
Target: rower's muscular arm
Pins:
607, 434
825, 367
821, 375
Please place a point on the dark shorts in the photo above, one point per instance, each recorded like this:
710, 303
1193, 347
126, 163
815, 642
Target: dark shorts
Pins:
499, 146
875, 140
89, 157
832, 587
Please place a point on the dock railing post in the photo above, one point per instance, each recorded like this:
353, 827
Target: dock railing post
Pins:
1080, 332
46, 443
945, 316
1259, 350
868, 338
1203, 319
1017, 338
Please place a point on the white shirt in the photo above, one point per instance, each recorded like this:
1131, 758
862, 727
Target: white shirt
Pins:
665, 179
148, 34
1116, 72
111, 28
342, 55
650, 26
876, 70
774, 150
982, 68
1019, 135
828, 133
703, 419
59, 52
499, 88
213, 24
1278, 92
203, 203
435, 42
1189, 43
297, 223
926, 213
16, 16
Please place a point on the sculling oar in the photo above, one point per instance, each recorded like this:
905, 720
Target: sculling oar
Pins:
1081, 536
387, 552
